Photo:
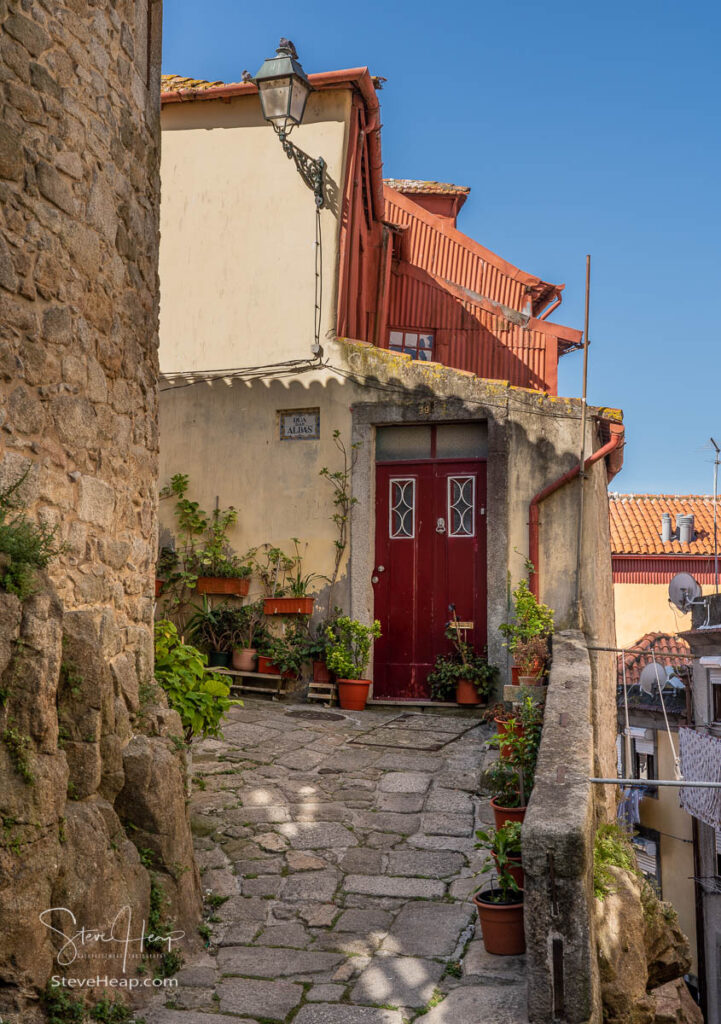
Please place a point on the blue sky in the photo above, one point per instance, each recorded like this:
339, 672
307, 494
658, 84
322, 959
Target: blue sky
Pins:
580, 128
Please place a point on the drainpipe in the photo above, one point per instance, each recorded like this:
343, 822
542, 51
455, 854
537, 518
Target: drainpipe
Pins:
534, 508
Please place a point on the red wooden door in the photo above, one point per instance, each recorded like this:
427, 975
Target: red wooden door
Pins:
430, 553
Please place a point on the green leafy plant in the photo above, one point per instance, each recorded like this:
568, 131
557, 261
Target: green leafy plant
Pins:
300, 583
272, 567
60, 1007
531, 618
531, 656
200, 698
246, 626
343, 502
288, 651
18, 745
463, 663
349, 646
25, 546
503, 846
210, 626
112, 1011
611, 848
513, 775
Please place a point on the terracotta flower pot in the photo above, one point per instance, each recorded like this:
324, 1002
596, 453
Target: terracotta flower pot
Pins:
244, 659
222, 585
288, 605
321, 673
353, 693
219, 659
466, 693
504, 814
266, 666
501, 924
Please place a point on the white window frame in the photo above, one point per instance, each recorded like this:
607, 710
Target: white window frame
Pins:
449, 511
391, 507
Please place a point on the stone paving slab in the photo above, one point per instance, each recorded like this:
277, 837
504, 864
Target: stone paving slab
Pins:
348, 866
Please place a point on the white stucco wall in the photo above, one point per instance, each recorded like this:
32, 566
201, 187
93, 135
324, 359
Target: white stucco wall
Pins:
237, 230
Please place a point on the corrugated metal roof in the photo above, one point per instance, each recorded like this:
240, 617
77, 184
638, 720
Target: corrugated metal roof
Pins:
428, 188
636, 523
446, 252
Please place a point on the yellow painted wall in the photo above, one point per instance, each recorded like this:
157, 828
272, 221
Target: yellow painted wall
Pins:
665, 815
643, 608
237, 228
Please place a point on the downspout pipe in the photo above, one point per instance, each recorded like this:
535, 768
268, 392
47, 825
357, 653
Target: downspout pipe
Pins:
556, 485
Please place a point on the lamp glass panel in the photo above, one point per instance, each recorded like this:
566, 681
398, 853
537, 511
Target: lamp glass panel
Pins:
275, 97
298, 97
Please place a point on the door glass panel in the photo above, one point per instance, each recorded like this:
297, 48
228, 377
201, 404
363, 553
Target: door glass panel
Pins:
461, 506
462, 440
403, 508
403, 443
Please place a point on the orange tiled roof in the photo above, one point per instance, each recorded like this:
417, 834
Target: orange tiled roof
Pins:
636, 523
169, 82
635, 661
429, 188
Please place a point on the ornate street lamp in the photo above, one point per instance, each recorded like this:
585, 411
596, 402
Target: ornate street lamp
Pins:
284, 88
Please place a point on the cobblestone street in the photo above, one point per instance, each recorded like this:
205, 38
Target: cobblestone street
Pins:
342, 846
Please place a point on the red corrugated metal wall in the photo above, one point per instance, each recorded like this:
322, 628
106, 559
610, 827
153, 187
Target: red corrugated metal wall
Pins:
660, 570
467, 337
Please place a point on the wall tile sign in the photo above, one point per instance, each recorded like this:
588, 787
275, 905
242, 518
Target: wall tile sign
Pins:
299, 424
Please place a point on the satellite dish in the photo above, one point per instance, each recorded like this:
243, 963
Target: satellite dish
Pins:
683, 590
653, 676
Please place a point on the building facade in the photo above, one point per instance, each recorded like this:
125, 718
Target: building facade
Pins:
432, 360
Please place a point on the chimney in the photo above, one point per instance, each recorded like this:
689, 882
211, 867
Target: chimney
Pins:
686, 530
679, 517
666, 527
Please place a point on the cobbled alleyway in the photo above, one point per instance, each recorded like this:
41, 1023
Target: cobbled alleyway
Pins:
342, 845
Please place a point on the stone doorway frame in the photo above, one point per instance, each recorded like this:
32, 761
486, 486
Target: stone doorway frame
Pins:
366, 416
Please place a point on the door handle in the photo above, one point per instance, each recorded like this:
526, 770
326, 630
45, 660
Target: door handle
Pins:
440, 525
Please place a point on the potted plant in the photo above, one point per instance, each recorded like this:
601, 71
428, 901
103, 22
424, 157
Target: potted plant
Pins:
247, 633
511, 776
530, 657
504, 847
209, 628
463, 674
284, 655
500, 907
508, 802
316, 645
348, 654
285, 583
531, 619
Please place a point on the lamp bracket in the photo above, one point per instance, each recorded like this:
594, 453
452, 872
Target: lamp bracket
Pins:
310, 170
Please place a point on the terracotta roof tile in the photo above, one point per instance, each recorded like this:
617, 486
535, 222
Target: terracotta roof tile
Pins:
637, 659
636, 523
429, 188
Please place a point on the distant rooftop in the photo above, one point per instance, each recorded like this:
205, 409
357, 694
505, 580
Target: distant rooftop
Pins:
428, 188
636, 523
641, 655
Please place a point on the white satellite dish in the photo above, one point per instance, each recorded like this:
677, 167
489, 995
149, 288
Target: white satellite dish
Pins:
653, 676
683, 591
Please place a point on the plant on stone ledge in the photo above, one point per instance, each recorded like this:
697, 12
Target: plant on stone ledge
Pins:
343, 502
463, 663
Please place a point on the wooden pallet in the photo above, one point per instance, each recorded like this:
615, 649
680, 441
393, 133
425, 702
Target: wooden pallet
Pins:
279, 687
327, 692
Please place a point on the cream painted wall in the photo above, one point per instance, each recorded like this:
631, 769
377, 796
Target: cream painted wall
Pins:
665, 815
643, 608
237, 230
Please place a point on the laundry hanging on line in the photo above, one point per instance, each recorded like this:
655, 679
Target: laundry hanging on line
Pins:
701, 762
628, 812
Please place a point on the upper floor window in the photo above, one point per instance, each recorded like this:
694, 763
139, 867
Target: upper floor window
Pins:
418, 344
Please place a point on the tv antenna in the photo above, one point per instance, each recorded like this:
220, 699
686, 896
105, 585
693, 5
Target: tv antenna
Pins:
684, 591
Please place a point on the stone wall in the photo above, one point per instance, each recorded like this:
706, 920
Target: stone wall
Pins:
79, 190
